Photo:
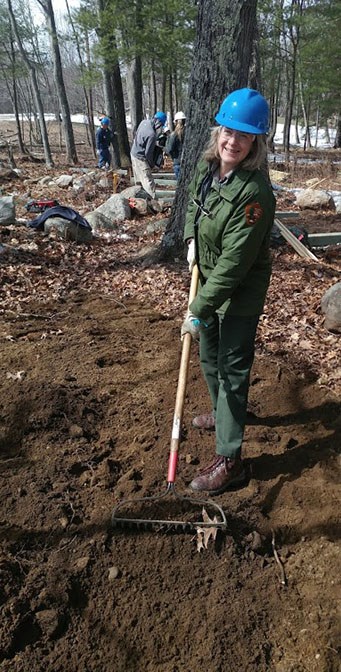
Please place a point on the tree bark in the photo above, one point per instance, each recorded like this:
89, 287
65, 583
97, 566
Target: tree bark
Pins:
337, 142
223, 55
134, 90
71, 153
120, 115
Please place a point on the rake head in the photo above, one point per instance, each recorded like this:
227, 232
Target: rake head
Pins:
124, 514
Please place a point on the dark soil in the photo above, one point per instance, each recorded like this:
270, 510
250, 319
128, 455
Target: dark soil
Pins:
85, 420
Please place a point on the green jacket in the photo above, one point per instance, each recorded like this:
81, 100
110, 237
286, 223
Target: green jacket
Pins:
233, 242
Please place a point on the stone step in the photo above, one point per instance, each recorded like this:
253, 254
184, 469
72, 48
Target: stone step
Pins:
324, 239
163, 176
286, 215
165, 183
162, 193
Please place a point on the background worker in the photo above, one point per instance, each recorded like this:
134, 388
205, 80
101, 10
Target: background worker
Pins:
227, 229
175, 142
104, 139
143, 150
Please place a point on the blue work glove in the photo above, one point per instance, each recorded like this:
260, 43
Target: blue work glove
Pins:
192, 325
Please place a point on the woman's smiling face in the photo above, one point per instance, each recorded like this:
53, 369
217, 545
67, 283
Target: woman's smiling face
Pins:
233, 147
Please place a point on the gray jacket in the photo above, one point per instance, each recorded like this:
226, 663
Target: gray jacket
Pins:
144, 142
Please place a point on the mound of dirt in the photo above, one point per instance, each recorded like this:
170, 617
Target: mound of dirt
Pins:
87, 422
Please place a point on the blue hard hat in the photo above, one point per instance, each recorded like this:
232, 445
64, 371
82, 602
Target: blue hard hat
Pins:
161, 116
105, 120
244, 110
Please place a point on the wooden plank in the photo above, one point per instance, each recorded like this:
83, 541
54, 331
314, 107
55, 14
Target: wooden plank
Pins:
294, 242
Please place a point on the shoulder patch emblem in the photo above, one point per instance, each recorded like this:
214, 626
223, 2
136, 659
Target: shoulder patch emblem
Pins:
253, 213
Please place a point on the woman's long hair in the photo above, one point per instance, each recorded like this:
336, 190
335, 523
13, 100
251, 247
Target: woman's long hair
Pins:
254, 159
180, 129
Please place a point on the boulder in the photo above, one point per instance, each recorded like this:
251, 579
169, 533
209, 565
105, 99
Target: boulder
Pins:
314, 199
64, 181
278, 175
67, 230
331, 308
337, 202
7, 210
157, 226
100, 222
45, 180
79, 184
116, 208
135, 192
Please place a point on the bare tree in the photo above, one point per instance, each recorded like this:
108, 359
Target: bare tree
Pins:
31, 66
71, 153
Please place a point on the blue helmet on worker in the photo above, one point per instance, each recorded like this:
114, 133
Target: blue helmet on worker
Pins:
105, 121
161, 117
244, 110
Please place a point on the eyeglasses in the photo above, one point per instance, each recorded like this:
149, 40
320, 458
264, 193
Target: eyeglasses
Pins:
237, 135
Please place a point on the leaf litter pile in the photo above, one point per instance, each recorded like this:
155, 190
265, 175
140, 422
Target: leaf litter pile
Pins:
39, 268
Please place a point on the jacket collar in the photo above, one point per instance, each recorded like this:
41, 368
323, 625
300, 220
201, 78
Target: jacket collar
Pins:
231, 190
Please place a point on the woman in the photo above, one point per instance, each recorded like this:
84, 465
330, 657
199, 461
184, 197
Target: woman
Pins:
175, 142
227, 229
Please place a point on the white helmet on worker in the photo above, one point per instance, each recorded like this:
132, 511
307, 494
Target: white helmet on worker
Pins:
179, 115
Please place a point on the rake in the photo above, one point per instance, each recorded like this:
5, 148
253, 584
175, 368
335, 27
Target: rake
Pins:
170, 499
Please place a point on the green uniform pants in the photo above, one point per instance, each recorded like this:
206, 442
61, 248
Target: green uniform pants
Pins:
226, 356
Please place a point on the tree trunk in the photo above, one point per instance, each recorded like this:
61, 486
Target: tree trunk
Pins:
71, 153
107, 76
222, 60
153, 102
337, 142
22, 148
134, 90
35, 88
317, 126
110, 111
90, 127
120, 115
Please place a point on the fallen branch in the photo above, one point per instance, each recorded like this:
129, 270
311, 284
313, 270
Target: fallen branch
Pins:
283, 579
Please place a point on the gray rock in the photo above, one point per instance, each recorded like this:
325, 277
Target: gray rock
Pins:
7, 210
64, 181
45, 180
159, 225
79, 184
100, 222
135, 192
49, 622
314, 199
116, 208
337, 202
113, 573
67, 230
331, 308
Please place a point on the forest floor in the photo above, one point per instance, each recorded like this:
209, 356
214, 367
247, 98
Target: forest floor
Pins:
90, 353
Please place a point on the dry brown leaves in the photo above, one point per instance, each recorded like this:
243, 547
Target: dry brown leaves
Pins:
36, 268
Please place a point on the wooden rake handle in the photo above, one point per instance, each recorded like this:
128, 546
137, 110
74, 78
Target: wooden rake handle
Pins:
181, 389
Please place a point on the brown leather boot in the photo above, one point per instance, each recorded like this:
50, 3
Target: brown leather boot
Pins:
204, 421
220, 475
